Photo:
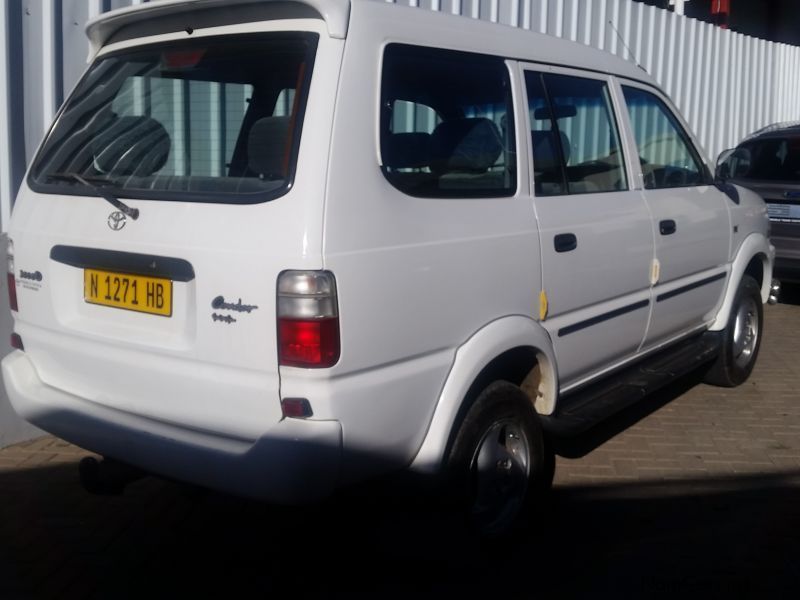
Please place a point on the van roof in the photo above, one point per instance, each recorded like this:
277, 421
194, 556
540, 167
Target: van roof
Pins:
512, 42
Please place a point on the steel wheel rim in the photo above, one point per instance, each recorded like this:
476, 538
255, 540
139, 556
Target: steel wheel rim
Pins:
746, 330
501, 469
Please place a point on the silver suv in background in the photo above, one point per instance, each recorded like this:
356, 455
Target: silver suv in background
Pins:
768, 162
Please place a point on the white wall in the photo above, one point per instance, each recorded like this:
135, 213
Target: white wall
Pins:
726, 84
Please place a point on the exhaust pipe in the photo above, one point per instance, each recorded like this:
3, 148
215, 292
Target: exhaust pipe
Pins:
107, 477
774, 291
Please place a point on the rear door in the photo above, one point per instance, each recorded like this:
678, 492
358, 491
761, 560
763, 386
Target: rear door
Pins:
171, 316
595, 229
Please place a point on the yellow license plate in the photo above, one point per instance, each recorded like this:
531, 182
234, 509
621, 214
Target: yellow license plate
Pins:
151, 295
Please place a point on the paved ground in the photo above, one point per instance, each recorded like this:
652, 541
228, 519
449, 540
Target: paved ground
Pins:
696, 493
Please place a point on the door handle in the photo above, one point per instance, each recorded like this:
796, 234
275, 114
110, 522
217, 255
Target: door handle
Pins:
565, 242
667, 227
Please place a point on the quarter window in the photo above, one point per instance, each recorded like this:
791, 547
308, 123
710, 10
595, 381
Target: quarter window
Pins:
447, 127
668, 158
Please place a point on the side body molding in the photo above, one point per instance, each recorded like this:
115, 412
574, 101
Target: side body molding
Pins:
471, 358
755, 244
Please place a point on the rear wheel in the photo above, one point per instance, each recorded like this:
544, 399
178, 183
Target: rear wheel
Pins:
497, 461
741, 338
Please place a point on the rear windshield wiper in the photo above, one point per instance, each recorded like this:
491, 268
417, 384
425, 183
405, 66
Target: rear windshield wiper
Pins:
133, 213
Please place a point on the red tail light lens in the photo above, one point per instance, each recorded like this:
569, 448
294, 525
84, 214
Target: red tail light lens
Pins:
308, 319
307, 343
10, 279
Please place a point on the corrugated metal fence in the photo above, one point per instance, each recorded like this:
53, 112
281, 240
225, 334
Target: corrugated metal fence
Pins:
726, 84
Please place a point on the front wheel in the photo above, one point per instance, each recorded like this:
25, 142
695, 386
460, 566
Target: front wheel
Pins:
741, 338
497, 461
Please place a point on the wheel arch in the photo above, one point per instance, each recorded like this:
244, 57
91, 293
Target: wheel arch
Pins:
515, 349
755, 258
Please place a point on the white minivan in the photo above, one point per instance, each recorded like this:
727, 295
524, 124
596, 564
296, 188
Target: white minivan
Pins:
276, 248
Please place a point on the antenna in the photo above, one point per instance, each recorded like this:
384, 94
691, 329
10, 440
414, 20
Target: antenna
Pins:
621, 39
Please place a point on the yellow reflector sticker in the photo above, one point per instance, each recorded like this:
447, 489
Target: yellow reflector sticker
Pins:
542, 305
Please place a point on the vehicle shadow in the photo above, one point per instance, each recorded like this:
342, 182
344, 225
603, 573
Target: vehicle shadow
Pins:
733, 537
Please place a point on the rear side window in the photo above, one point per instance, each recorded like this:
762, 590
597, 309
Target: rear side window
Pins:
574, 136
447, 127
214, 119
667, 156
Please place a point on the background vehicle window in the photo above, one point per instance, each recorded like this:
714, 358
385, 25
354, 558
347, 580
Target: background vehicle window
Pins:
447, 126
575, 140
770, 159
668, 159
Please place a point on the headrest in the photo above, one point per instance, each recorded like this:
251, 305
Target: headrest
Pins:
266, 147
131, 146
466, 145
407, 150
545, 150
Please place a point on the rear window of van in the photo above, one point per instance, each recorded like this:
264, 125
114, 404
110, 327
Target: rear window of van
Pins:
214, 119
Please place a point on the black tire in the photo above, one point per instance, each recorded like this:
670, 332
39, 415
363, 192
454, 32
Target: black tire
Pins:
741, 338
497, 462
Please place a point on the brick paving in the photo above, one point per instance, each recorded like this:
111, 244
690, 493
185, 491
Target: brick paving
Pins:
695, 492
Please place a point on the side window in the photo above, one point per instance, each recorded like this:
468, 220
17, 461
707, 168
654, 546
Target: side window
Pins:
574, 136
667, 156
447, 127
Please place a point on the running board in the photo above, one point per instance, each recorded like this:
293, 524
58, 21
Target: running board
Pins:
579, 411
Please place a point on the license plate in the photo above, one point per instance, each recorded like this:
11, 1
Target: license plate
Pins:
151, 295
784, 213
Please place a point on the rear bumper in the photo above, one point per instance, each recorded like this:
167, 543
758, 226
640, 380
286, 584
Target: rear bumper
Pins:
296, 461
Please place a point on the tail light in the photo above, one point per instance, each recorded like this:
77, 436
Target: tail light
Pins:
308, 319
10, 279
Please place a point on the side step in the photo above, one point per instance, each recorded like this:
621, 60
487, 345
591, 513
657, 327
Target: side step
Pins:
579, 411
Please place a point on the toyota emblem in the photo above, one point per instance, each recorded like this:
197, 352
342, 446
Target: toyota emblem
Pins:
117, 220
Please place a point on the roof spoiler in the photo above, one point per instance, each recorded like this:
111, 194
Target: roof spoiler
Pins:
335, 13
